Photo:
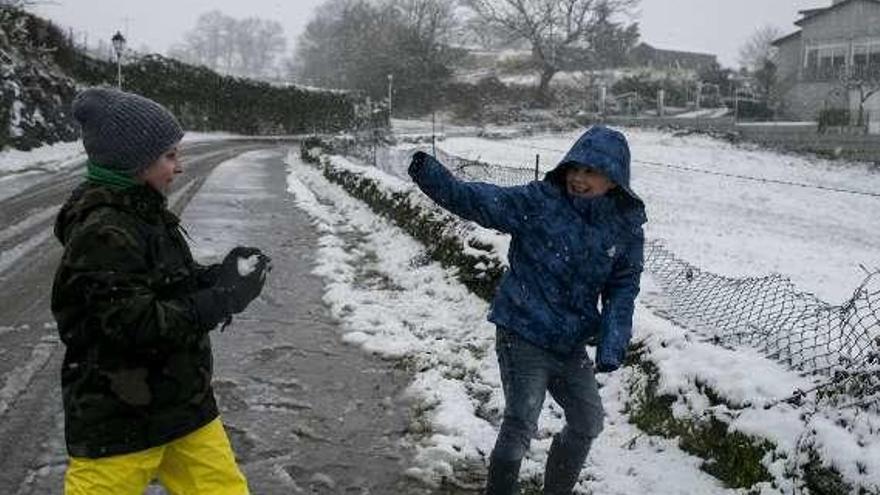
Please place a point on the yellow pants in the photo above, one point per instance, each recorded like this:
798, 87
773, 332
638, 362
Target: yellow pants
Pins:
199, 463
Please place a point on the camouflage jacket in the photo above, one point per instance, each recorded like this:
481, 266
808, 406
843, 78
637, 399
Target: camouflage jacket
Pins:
134, 311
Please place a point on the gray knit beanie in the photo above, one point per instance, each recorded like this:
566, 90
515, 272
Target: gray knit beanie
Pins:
124, 132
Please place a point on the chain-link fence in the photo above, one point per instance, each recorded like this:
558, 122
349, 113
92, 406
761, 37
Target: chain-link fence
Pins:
770, 314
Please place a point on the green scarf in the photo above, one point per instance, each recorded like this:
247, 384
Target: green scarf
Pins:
100, 175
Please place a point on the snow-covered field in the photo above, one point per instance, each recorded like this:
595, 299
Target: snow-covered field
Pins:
734, 210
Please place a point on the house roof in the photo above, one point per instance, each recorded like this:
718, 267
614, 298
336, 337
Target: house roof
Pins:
652, 49
786, 38
810, 14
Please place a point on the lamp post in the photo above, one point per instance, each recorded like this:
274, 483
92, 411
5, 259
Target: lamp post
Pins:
390, 83
118, 46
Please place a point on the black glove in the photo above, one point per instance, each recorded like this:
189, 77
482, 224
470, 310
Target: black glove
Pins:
231, 259
240, 289
418, 160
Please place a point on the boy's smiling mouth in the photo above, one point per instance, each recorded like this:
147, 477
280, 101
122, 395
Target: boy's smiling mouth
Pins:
579, 190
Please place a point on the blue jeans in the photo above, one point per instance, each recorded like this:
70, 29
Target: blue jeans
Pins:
527, 373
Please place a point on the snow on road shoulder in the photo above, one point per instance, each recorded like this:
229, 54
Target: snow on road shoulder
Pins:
394, 302
48, 158
200, 137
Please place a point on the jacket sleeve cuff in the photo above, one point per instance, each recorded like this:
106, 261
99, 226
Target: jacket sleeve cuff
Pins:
417, 165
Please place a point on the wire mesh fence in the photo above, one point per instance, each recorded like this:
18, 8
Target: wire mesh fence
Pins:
796, 328
770, 314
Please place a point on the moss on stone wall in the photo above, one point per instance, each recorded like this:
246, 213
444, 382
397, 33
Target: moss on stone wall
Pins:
479, 273
732, 457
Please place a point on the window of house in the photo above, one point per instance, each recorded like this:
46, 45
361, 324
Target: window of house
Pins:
873, 70
811, 65
860, 60
825, 63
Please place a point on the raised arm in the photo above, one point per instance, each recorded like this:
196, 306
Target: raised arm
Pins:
618, 304
494, 207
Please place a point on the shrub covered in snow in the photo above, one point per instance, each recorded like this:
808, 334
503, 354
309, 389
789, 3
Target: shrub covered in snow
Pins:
33, 93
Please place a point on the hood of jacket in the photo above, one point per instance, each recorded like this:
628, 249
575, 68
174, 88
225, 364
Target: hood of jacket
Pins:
605, 150
143, 201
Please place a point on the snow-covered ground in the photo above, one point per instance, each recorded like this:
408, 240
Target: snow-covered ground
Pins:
60, 156
731, 209
706, 113
734, 210
49, 158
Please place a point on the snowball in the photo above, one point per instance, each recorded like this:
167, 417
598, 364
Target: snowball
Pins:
246, 266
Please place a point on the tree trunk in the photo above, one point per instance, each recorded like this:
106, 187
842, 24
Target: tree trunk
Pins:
544, 96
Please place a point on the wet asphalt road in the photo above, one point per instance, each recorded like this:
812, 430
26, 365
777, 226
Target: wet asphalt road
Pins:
306, 413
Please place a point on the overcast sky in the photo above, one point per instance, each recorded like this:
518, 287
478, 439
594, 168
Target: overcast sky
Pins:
713, 26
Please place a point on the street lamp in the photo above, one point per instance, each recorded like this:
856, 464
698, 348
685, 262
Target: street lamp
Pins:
390, 82
119, 46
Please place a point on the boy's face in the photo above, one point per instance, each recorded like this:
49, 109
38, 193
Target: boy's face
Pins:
587, 182
161, 173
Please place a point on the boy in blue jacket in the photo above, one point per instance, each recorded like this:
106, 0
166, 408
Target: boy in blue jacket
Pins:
576, 240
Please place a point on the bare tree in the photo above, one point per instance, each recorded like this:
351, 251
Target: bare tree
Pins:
862, 85
758, 57
553, 29
427, 29
357, 44
259, 43
758, 48
206, 43
248, 47
435, 21
340, 46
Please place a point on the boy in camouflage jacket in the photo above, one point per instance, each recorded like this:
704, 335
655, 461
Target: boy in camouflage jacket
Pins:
134, 311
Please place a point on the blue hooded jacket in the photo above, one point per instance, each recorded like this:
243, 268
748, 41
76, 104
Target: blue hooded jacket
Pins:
566, 253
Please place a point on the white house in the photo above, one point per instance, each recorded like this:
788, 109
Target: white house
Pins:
832, 61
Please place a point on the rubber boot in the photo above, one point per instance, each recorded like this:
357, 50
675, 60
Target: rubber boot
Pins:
503, 476
564, 463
